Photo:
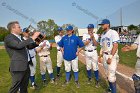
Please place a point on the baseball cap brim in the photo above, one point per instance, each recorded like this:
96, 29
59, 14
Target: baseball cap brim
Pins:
105, 21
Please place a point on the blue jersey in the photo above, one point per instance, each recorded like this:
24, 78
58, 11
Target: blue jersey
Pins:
70, 45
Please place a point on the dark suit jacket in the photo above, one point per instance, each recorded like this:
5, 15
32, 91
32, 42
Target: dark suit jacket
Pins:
17, 52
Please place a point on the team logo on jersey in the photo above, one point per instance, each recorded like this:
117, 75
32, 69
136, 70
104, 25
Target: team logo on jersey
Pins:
105, 39
65, 39
72, 41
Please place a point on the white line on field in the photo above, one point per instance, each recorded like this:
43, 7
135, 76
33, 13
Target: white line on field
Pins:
123, 75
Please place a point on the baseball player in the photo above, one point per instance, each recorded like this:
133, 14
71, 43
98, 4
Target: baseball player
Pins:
69, 45
109, 50
59, 52
32, 54
90, 41
43, 51
136, 76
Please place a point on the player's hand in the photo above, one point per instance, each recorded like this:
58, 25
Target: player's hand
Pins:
62, 50
125, 48
43, 45
77, 53
91, 35
100, 59
35, 35
109, 61
87, 42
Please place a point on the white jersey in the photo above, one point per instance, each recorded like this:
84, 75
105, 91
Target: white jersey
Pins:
90, 46
45, 50
32, 52
57, 39
137, 41
107, 40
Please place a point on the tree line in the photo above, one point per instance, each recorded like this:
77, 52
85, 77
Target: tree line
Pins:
49, 27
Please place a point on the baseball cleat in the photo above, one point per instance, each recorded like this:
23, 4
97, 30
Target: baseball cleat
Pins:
97, 84
34, 86
44, 83
89, 81
77, 84
65, 83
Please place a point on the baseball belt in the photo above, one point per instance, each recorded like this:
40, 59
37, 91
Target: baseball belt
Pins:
90, 50
44, 56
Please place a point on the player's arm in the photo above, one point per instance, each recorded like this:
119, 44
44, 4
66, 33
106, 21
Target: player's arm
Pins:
129, 48
115, 40
78, 51
133, 47
100, 56
94, 40
81, 46
39, 48
86, 42
114, 49
101, 53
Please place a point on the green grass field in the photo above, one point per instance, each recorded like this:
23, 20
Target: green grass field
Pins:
127, 58
5, 79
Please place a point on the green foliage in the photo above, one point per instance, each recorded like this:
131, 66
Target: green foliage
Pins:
49, 27
100, 31
132, 27
3, 32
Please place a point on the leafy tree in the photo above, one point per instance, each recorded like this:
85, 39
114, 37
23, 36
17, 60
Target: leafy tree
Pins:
3, 32
100, 31
48, 27
132, 27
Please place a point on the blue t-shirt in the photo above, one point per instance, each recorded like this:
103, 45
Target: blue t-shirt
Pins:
70, 45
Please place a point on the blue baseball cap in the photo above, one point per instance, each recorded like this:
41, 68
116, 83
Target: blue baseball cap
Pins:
90, 26
105, 21
59, 29
24, 30
69, 28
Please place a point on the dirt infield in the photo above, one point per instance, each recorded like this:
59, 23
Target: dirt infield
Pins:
2, 47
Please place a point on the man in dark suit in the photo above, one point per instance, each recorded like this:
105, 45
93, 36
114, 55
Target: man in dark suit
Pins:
19, 57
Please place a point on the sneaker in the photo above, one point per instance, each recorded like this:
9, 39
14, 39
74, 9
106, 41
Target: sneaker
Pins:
108, 90
44, 83
52, 81
77, 84
57, 77
18, 90
89, 81
65, 83
34, 86
97, 84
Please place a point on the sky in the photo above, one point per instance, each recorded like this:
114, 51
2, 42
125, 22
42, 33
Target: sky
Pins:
77, 12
